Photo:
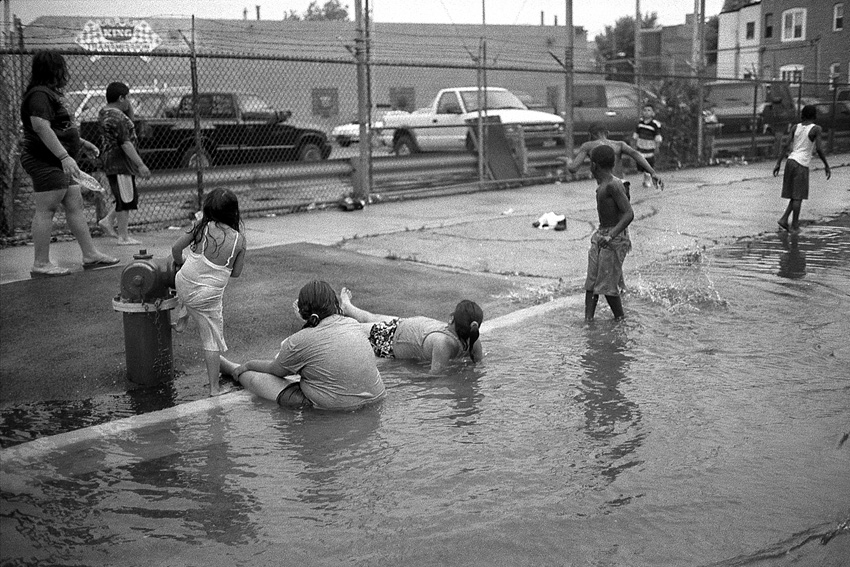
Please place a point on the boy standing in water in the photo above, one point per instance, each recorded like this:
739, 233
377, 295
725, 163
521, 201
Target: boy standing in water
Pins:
647, 138
610, 243
795, 181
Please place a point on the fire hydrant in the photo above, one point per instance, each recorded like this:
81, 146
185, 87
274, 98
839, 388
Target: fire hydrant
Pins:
146, 300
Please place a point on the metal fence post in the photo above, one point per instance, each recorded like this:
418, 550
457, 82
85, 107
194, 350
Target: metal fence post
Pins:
754, 119
193, 67
363, 184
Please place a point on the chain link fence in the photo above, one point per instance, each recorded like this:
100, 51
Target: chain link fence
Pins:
284, 134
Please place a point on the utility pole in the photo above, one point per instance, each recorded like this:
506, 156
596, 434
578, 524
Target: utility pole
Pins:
568, 80
363, 184
637, 54
699, 63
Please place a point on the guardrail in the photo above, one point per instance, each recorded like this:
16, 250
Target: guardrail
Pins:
767, 145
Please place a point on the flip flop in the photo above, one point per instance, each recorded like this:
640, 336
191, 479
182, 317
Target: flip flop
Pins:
51, 272
102, 263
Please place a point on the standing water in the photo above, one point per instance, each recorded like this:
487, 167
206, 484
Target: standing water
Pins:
708, 428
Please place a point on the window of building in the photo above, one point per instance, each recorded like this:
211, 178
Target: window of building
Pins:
768, 25
751, 30
834, 75
838, 17
793, 74
794, 24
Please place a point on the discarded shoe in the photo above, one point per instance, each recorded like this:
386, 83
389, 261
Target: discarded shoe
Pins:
550, 220
561, 224
350, 204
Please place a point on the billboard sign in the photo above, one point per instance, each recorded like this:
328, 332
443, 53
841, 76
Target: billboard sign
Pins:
124, 37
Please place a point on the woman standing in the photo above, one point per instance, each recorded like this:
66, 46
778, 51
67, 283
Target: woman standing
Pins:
50, 144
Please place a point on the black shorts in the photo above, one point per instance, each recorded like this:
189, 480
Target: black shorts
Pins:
292, 397
116, 193
45, 176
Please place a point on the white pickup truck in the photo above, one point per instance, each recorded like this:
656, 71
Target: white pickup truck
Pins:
445, 124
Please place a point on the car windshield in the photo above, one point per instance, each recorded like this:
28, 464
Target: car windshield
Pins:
494, 100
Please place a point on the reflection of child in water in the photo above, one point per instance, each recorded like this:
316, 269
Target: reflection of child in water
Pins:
610, 243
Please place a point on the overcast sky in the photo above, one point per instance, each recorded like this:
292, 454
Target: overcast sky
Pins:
594, 15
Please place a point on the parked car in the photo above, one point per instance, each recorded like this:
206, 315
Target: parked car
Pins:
840, 122
732, 104
235, 128
349, 133
610, 103
443, 126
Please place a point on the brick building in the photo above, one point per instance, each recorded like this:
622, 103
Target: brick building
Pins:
800, 41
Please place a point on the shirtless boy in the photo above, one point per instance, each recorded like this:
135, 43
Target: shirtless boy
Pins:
599, 137
610, 243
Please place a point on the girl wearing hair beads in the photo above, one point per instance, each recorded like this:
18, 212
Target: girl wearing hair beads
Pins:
421, 338
326, 365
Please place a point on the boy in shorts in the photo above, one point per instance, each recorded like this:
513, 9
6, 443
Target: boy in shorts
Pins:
795, 181
648, 139
121, 161
610, 243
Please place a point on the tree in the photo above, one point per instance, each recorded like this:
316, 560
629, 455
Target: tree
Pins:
615, 49
332, 10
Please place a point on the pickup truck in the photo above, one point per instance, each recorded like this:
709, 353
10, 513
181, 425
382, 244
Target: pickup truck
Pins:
445, 124
235, 128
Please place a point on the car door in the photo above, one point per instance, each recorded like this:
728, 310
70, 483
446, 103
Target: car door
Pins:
228, 133
266, 136
447, 130
621, 111
588, 109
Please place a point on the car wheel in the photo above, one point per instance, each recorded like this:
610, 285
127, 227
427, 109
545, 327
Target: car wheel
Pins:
193, 158
309, 152
405, 146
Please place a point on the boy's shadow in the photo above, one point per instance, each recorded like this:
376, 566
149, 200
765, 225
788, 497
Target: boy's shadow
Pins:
792, 262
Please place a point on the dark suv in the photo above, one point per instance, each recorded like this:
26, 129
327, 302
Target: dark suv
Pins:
235, 128
732, 102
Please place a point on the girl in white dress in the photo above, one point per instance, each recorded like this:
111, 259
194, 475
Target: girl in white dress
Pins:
216, 254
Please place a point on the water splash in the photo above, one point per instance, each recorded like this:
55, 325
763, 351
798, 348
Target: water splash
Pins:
681, 284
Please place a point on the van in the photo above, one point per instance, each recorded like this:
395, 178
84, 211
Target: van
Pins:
612, 104
732, 103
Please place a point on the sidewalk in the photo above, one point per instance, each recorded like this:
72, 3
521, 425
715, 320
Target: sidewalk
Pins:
410, 257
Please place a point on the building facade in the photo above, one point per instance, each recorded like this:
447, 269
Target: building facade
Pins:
739, 39
803, 42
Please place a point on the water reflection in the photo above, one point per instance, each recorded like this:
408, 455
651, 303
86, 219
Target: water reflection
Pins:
170, 483
611, 419
792, 262
329, 446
